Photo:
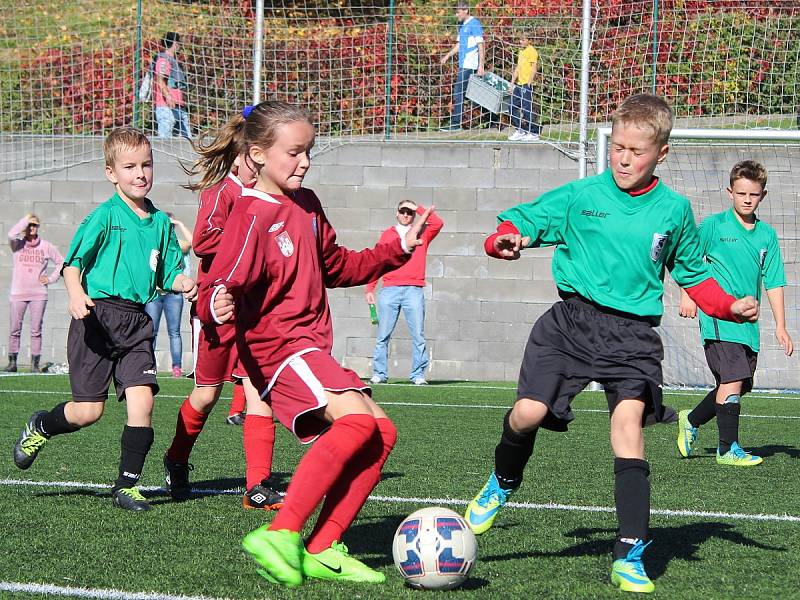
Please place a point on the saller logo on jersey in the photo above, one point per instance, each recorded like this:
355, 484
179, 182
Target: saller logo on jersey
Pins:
659, 241
285, 244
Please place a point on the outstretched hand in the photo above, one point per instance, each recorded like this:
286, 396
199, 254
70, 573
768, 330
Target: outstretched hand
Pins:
745, 309
509, 245
412, 236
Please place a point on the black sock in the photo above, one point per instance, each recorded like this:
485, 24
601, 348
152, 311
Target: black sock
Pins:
632, 498
136, 442
705, 411
55, 422
512, 454
728, 424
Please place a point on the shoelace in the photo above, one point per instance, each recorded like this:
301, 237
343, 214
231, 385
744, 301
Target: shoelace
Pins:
498, 495
739, 452
32, 444
634, 557
134, 494
340, 548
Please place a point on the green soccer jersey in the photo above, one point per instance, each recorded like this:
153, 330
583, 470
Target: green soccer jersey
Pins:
613, 248
124, 256
742, 261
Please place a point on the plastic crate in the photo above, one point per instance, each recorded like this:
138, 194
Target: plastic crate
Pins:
482, 91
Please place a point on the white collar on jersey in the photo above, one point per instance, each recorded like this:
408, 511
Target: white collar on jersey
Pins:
260, 195
235, 180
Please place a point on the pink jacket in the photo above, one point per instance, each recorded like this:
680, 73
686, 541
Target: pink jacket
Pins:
30, 262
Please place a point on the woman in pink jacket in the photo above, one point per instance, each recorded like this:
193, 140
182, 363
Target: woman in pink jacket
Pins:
31, 255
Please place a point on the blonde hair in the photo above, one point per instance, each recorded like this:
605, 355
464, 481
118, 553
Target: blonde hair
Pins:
750, 170
238, 135
123, 138
646, 111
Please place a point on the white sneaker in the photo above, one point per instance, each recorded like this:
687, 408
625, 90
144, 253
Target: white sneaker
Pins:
377, 379
516, 136
420, 381
530, 137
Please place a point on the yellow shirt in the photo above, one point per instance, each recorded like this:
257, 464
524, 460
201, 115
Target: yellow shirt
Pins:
526, 65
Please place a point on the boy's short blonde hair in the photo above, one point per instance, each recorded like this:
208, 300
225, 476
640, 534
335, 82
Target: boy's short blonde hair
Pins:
750, 170
646, 111
122, 138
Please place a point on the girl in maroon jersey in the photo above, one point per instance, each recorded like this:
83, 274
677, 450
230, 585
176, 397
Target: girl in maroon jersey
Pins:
277, 256
215, 356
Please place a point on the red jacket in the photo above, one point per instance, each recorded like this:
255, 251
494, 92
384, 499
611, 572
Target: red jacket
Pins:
413, 272
276, 257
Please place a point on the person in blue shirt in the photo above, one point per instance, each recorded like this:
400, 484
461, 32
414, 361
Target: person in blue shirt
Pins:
471, 53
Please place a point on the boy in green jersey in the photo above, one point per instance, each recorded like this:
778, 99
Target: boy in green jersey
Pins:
122, 253
615, 234
743, 255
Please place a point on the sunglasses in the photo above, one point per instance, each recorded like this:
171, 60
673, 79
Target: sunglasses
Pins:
406, 211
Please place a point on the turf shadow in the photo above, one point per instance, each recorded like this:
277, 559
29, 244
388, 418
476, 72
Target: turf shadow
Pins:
773, 449
669, 543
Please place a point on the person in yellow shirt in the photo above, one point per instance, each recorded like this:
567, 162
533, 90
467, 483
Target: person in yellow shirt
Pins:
523, 110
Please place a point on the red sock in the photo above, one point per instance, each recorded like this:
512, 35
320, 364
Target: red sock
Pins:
190, 424
350, 492
258, 440
321, 467
237, 402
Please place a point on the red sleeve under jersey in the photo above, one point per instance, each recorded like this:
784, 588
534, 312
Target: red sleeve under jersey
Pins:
240, 263
502, 229
216, 204
347, 268
713, 300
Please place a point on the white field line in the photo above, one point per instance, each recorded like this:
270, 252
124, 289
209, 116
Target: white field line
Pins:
441, 405
79, 592
442, 502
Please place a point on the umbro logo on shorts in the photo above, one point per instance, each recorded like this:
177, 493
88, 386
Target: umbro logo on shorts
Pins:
149, 372
258, 498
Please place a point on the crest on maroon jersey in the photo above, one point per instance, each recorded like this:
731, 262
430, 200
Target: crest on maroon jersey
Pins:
285, 244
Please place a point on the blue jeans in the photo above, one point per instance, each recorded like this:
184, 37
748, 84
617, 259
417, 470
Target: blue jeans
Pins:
459, 90
172, 306
523, 110
411, 299
173, 120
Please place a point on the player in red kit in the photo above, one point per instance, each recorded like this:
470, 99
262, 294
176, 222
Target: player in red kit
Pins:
277, 256
215, 356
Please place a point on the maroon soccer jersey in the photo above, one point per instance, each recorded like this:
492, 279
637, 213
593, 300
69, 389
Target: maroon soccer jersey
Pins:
216, 204
276, 257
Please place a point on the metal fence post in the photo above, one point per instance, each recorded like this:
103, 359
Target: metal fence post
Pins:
586, 38
137, 64
387, 124
258, 51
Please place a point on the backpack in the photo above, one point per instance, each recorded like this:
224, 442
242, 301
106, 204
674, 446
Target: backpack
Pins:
146, 85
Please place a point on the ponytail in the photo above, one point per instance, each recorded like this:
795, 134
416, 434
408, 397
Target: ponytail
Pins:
217, 156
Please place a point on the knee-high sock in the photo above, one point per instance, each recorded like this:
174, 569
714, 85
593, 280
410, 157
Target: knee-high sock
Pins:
55, 422
705, 411
728, 424
351, 491
190, 424
512, 454
632, 498
237, 402
136, 443
321, 468
258, 440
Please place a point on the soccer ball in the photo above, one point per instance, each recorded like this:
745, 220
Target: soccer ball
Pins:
434, 549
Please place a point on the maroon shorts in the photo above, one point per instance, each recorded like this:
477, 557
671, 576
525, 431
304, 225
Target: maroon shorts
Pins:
215, 357
299, 387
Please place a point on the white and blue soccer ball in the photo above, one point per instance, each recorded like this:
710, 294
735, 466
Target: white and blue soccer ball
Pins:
434, 549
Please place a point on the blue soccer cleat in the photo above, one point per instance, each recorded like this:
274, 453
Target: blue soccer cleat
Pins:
629, 574
483, 509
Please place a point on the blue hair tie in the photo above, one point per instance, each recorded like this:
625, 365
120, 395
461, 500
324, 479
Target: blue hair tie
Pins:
247, 110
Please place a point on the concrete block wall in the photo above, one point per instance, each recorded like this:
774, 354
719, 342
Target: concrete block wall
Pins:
479, 311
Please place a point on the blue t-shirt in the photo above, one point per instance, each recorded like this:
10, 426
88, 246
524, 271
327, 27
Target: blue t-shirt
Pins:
470, 34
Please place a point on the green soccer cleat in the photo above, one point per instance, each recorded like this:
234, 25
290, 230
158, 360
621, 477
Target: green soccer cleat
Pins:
29, 442
130, 499
687, 434
737, 457
629, 574
336, 564
279, 554
482, 510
